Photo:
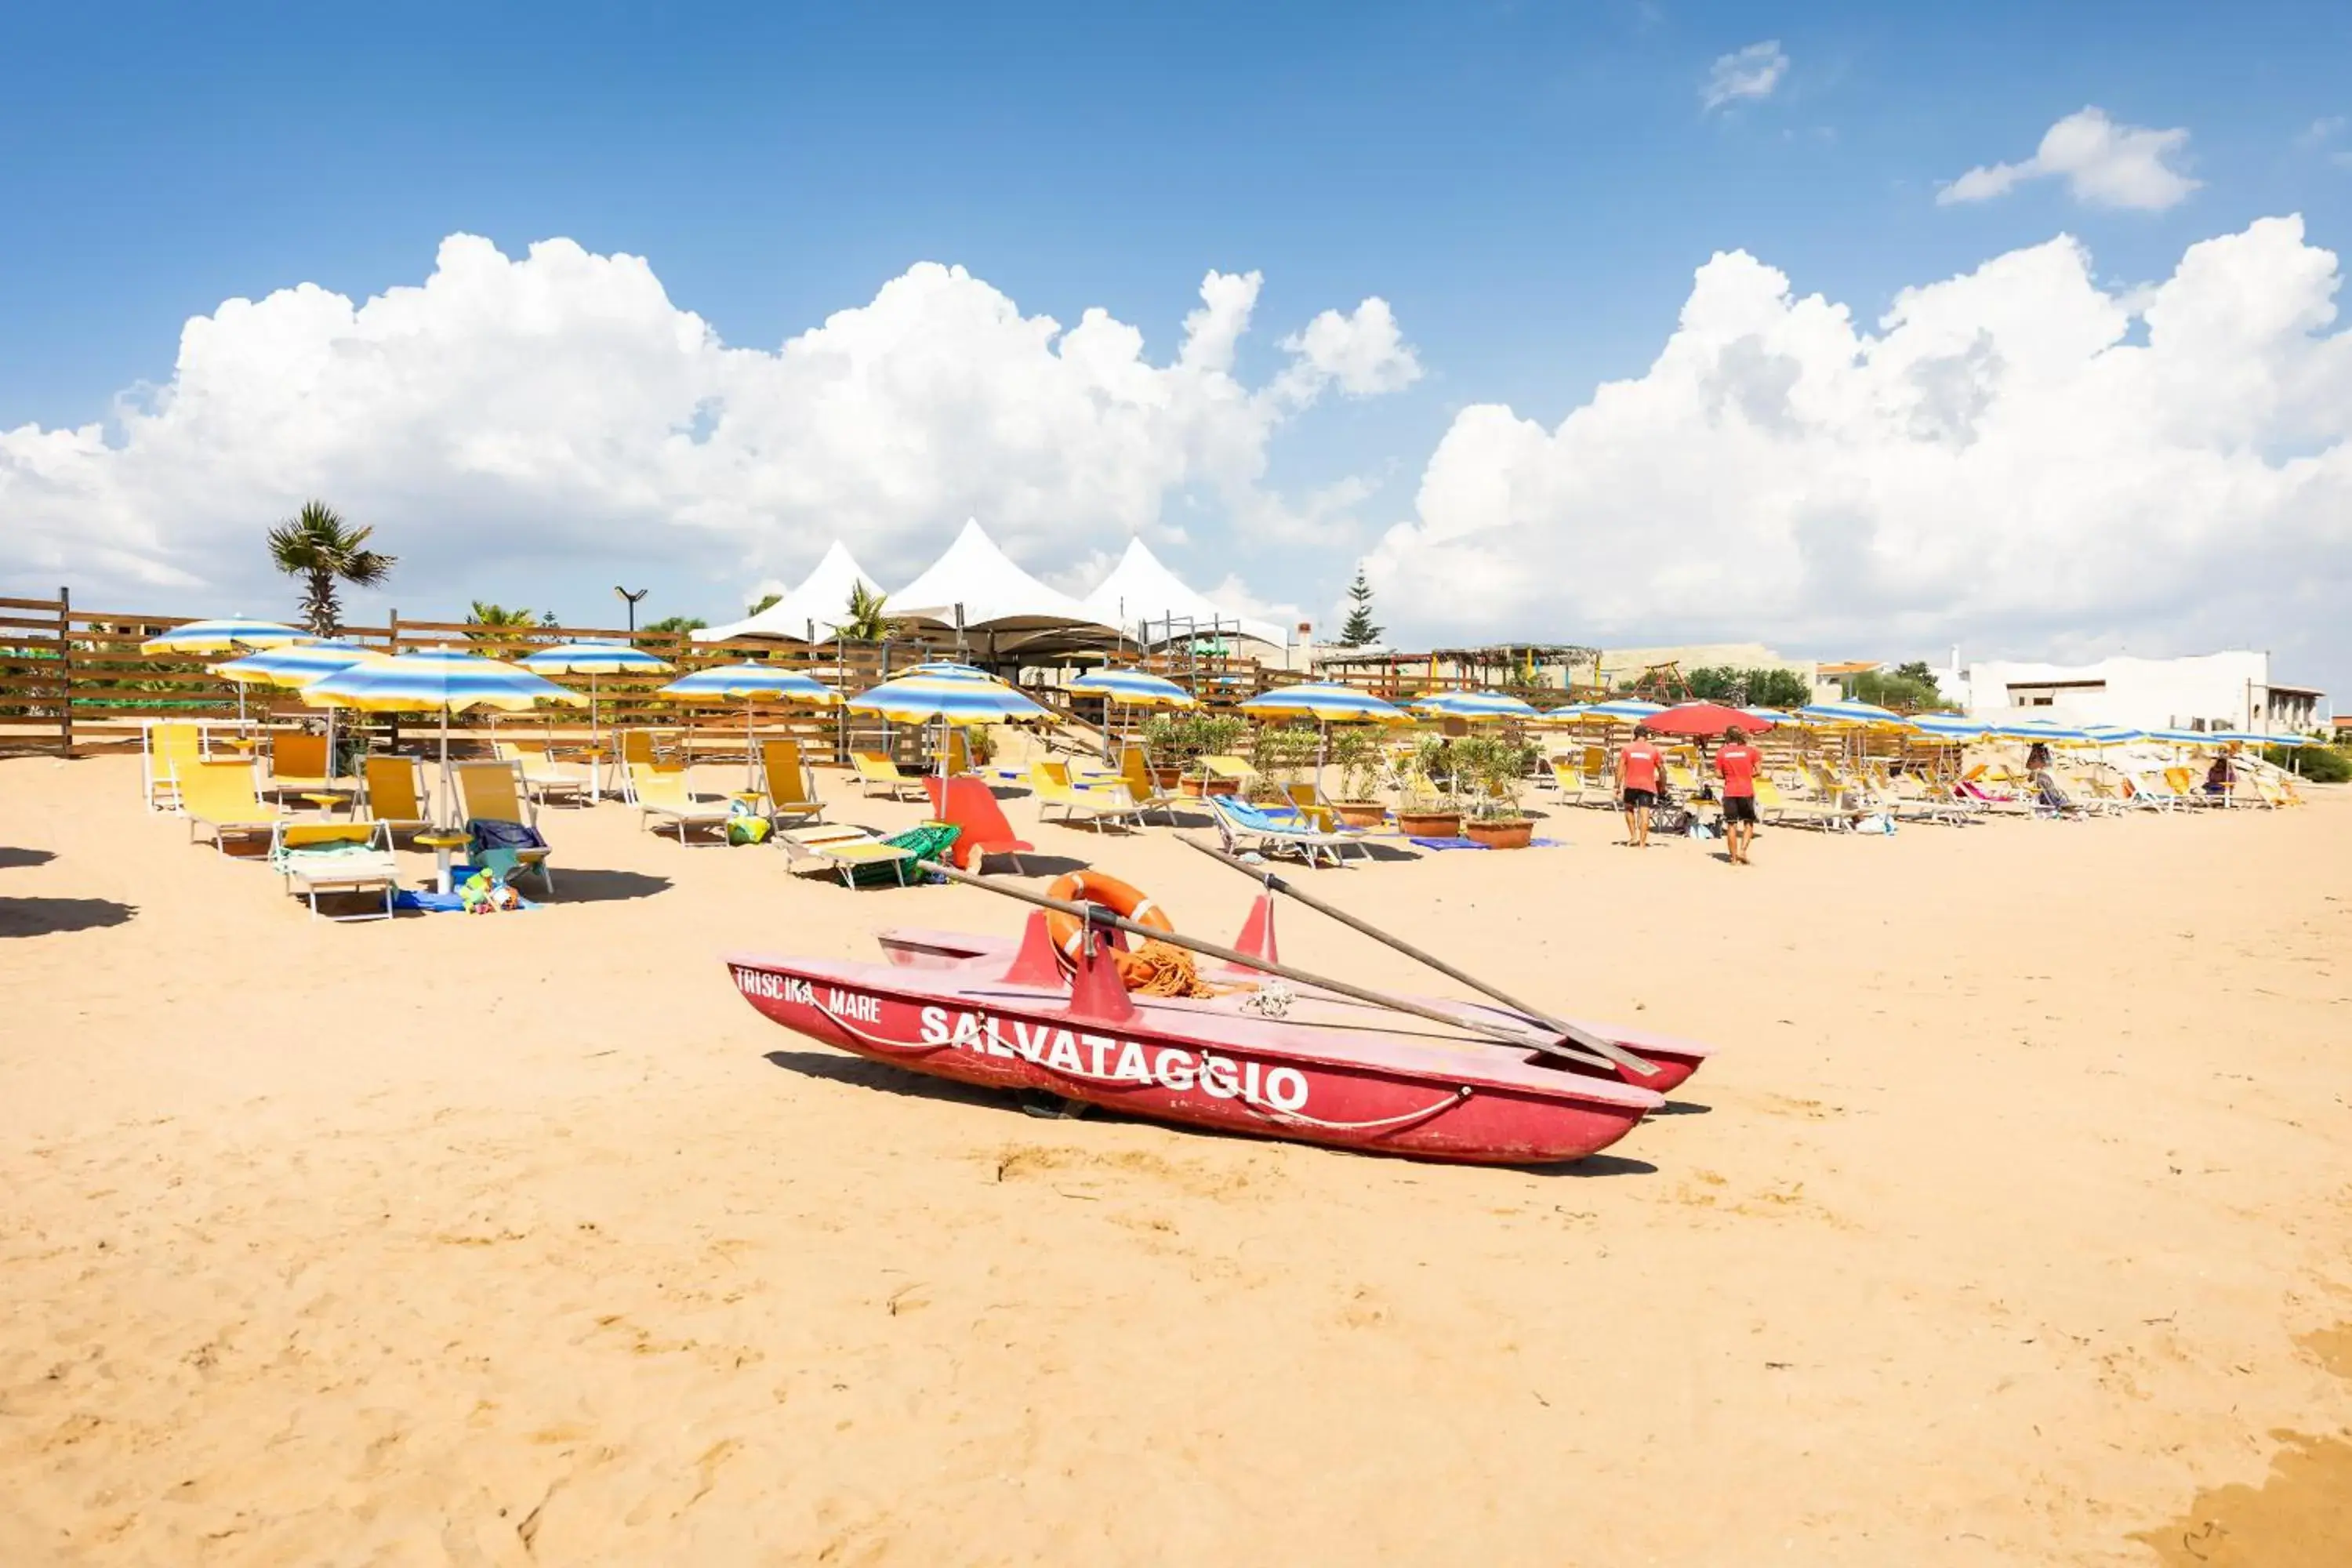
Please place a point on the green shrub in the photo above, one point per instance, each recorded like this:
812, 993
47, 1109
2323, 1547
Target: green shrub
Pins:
2320, 764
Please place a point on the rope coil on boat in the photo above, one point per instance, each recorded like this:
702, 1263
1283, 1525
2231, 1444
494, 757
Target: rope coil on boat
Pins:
1456, 1098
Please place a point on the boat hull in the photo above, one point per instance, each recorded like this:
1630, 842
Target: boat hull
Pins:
1202, 1065
1676, 1059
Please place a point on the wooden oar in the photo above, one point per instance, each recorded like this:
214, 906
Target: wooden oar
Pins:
1524, 1040
1599, 1045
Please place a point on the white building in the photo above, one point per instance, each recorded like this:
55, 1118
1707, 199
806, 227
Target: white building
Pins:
2231, 690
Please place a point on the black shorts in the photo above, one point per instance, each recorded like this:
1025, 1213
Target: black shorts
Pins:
1739, 808
1641, 798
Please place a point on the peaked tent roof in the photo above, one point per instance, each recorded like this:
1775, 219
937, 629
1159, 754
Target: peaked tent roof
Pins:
995, 594
823, 597
1141, 587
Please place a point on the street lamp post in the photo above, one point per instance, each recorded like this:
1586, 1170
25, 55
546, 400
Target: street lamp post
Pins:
631, 600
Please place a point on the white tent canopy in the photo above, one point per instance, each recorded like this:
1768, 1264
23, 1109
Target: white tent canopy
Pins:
995, 594
823, 599
1141, 588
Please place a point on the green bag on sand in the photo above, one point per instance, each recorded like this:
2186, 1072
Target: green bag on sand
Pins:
747, 830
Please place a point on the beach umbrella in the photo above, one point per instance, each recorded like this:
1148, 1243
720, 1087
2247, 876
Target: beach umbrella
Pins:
292, 665
429, 678
948, 698
2247, 738
225, 636
949, 669
1134, 688
1705, 721
2044, 731
1565, 713
1326, 703
1131, 689
1474, 706
592, 659
1623, 711
231, 635
2114, 734
1840, 714
724, 682
1951, 726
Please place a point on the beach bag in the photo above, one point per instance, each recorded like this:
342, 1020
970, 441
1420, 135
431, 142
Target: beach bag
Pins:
745, 825
488, 834
1877, 822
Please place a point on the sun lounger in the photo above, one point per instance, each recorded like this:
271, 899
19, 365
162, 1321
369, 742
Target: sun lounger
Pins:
1135, 772
336, 856
1097, 807
493, 792
787, 784
391, 793
221, 797
1225, 767
299, 761
2189, 793
542, 777
170, 749
663, 798
861, 858
877, 771
1246, 828
1567, 778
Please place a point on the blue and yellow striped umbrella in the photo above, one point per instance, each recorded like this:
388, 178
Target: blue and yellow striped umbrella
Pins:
1135, 688
1950, 727
722, 681
231, 635
595, 658
1837, 715
1326, 703
1474, 705
2044, 731
950, 669
292, 664
955, 698
428, 678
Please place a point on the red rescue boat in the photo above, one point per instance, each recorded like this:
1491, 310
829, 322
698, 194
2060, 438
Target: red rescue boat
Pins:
1281, 1058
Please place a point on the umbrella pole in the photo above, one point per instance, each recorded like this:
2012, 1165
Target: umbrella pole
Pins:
595, 743
750, 752
448, 780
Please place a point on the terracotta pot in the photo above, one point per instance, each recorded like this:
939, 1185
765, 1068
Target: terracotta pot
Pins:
1166, 779
1510, 833
1193, 787
1430, 823
1223, 786
1361, 813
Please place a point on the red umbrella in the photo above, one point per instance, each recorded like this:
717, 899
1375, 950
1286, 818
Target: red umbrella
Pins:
1704, 720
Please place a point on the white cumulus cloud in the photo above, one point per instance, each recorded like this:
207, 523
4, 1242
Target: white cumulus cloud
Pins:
2015, 456
511, 411
1752, 72
2104, 164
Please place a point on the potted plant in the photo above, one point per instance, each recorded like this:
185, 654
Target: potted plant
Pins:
1191, 736
1356, 752
1162, 750
1495, 770
1282, 754
1427, 809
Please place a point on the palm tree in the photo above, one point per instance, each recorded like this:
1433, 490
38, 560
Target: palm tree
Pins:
866, 623
320, 547
497, 619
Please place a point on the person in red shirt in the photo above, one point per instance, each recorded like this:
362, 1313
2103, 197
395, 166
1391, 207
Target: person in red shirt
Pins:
1736, 764
1638, 766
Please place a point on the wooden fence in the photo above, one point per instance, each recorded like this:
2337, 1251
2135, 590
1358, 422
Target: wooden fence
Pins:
74, 680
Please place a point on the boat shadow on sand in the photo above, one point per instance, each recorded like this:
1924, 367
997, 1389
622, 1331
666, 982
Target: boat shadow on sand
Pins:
860, 1073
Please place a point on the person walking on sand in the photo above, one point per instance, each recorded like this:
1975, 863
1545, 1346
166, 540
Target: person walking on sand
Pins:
1638, 761
1736, 765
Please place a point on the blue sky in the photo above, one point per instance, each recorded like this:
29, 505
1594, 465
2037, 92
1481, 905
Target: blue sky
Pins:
1528, 187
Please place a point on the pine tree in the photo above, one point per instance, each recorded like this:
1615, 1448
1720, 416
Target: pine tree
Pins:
1361, 630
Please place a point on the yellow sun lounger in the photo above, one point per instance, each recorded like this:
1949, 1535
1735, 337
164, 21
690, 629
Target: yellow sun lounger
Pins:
171, 748
221, 797
876, 770
662, 796
493, 792
336, 856
786, 782
395, 796
839, 849
1097, 807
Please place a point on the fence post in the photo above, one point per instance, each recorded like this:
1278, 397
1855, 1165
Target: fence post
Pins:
65, 671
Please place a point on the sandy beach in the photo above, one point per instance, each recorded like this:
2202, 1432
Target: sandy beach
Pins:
2012, 1225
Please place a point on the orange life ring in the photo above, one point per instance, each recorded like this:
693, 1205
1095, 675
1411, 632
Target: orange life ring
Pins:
1119, 898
